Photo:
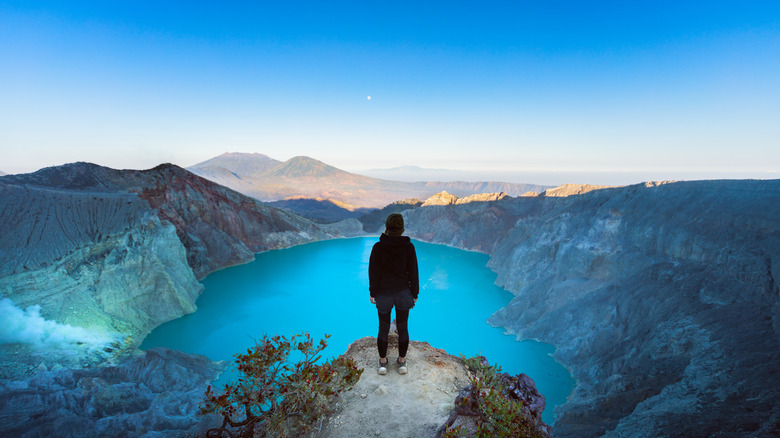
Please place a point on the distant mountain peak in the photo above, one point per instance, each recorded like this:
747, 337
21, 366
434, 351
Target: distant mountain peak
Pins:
243, 155
240, 164
303, 166
299, 159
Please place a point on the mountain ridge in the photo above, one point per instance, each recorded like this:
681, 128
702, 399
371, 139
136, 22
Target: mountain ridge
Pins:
307, 177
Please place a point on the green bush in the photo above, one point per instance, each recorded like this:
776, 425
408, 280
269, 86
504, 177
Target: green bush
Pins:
489, 403
274, 397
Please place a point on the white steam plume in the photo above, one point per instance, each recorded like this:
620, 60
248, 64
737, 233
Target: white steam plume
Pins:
29, 327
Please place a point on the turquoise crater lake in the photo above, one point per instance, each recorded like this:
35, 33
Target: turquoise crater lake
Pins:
322, 287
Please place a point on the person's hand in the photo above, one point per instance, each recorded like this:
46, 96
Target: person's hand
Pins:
373, 301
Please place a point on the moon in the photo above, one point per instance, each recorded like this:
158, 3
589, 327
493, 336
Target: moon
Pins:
368, 97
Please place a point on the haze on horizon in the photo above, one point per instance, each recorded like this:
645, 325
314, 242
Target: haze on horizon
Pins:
612, 94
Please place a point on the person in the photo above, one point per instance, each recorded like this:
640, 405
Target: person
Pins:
393, 282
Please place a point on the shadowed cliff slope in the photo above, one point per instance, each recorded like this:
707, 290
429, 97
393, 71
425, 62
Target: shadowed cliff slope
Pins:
661, 298
321, 210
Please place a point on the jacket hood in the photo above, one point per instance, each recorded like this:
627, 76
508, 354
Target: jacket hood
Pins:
395, 240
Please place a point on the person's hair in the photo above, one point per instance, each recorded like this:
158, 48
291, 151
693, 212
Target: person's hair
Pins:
394, 224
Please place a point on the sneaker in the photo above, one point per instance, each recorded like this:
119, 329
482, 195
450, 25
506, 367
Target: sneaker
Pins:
401, 366
382, 368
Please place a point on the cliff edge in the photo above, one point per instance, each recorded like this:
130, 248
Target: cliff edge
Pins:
418, 403
411, 405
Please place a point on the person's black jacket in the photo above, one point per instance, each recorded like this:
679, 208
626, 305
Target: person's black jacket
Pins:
393, 266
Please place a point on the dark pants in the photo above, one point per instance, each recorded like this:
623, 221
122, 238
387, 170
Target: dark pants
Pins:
403, 302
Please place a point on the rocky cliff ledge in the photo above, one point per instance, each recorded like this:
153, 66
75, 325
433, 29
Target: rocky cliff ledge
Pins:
662, 299
411, 405
416, 404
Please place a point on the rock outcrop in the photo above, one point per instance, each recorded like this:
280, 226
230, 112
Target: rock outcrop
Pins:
416, 404
444, 198
482, 197
441, 198
572, 189
661, 299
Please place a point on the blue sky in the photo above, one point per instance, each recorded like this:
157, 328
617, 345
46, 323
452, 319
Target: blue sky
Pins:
656, 90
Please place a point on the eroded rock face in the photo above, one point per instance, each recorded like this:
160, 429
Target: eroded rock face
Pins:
120, 252
155, 393
221, 227
478, 226
660, 298
101, 261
